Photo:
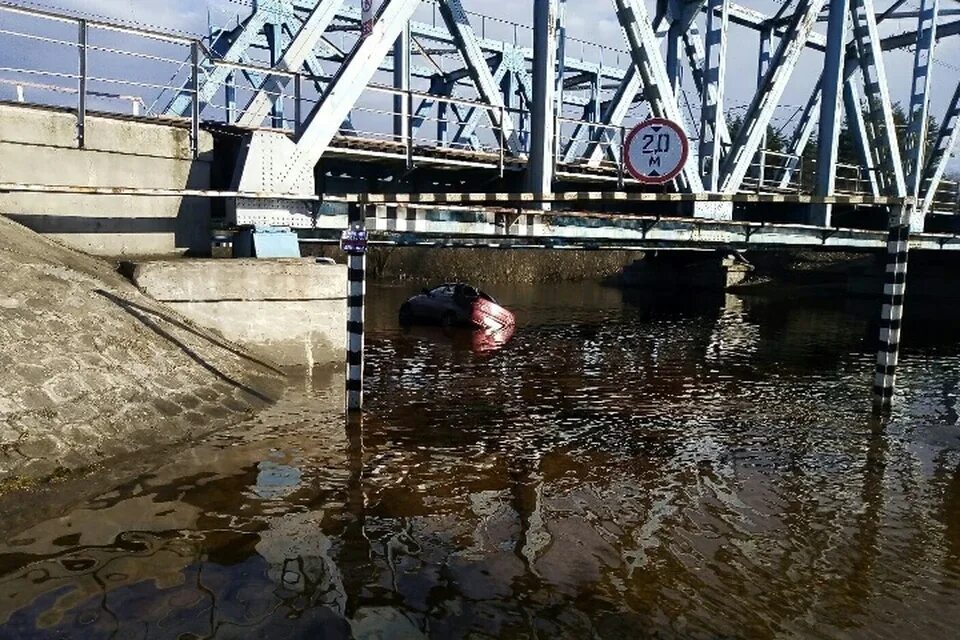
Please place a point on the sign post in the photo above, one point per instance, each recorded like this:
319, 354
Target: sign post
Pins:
656, 151
353, 241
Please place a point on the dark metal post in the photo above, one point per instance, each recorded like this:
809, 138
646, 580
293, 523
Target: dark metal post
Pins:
501, 139
831, 113
297, 114
401, 83
195, 98
356, 291
82, 100
409, 130
621, 160
891, 317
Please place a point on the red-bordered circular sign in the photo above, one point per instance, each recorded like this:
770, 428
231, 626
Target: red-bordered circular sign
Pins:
656, 150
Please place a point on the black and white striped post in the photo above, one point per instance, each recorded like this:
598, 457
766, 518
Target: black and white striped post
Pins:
894, 288
354, 243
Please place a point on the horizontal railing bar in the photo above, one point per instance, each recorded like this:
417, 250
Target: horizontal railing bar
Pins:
100, 24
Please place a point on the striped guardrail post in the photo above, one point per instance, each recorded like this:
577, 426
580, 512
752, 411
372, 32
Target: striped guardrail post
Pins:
354, 243
894, 288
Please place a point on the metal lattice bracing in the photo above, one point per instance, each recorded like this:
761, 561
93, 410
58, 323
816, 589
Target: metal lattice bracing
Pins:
452, 60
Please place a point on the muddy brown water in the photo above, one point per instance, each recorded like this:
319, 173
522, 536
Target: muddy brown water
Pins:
623, 467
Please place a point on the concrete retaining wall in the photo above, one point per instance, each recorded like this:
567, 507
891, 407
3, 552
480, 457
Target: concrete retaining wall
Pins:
93, 369
39, 146
292, 311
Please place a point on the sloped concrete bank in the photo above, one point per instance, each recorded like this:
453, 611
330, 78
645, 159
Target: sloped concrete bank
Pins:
94, 369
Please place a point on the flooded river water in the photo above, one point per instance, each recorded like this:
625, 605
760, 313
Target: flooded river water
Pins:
623, 467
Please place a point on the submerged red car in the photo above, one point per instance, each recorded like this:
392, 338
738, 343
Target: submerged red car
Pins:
456, 304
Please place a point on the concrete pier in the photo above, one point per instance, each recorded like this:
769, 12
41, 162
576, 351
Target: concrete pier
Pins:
292, 311
686, 269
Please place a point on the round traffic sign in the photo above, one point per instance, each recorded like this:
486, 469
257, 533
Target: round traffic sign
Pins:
656, 150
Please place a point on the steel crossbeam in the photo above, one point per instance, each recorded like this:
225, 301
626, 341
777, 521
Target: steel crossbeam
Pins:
758, 116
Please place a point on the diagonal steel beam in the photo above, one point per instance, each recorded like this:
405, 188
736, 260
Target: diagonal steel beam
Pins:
216, 75
744, 148
455, 17
803, 132
801, 135
693, 47
468, 128
877, 92
645, 51
299, 51
613, 114
916, 141
862, 139
947, 140
344, 89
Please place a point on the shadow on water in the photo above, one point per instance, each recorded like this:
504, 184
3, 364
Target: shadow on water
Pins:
622, 467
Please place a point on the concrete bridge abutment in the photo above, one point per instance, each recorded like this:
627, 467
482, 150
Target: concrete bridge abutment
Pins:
40, 146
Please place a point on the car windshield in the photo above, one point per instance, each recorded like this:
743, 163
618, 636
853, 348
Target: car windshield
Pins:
468, 291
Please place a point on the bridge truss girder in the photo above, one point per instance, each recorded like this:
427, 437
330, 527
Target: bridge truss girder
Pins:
499, 73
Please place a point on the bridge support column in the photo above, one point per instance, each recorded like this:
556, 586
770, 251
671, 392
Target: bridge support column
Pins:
542, 127
356, 293
401, 81
894, 288
831, 86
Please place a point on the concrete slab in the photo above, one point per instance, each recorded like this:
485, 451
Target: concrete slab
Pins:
292, 311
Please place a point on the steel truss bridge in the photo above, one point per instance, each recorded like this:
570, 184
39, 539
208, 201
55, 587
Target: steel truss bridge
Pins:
437, 124
441, 100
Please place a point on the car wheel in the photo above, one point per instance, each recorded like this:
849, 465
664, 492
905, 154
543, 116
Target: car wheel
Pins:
406, 314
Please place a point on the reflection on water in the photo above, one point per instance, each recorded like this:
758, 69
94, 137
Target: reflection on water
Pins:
621, 467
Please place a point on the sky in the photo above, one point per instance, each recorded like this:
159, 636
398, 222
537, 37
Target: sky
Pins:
591, 20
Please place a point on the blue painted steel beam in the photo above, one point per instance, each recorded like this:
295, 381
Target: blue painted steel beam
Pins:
696, 60
861, 136
216, 75
947, 140
920, 103
401, 81
457, 22
757, 118
763, 64
540, 166
343, 91
878, 97
291, 59
831, 86
712, 93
